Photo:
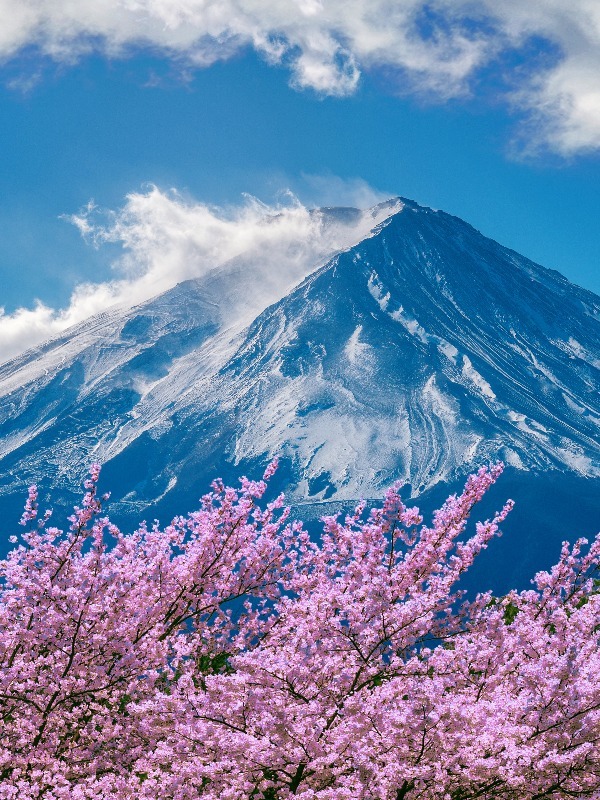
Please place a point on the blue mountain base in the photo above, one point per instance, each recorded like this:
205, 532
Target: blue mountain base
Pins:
549, 509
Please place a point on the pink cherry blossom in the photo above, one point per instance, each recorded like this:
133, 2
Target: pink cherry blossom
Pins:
230, 656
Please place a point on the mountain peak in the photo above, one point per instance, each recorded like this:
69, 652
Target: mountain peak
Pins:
418, 352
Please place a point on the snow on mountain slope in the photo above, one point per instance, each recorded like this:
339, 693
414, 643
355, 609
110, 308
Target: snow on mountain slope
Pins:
93, 390
419, 352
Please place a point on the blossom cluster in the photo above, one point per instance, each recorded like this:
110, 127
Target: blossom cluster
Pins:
231, 656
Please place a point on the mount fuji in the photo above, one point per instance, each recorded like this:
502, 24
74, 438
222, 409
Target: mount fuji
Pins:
417, 351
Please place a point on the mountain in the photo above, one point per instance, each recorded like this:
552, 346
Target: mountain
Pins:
416, 353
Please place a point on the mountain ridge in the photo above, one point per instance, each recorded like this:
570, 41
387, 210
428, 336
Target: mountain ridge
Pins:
414, 354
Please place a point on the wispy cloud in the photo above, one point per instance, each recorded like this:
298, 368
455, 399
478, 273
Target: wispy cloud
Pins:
436, 46
326, 189
167, 239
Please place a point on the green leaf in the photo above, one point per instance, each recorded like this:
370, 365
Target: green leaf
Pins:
510, 613
123, 704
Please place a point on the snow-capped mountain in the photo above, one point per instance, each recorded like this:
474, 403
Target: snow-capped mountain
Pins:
418, 352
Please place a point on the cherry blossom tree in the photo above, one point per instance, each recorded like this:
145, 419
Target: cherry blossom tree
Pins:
230, 656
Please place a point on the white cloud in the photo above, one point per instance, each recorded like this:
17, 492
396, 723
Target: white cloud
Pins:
331, 190
322, 42
563, 98
167, 239
437, 46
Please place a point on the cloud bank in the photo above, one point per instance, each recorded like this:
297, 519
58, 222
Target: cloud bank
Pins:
441, 47
167, 239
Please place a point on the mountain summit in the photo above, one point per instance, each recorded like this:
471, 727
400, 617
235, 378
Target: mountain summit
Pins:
417, 353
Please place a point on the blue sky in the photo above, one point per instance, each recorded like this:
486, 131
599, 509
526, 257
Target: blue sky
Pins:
494, 117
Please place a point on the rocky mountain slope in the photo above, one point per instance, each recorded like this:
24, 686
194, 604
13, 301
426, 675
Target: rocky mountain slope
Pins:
417, 353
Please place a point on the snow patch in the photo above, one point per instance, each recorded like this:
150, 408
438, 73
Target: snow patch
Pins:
523, 424
439, 402
376, 290
170, 485
576, 350
513, 459
471, 450
579, 409
577, 461
410, 324
355, 349
470, 373
448, 350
